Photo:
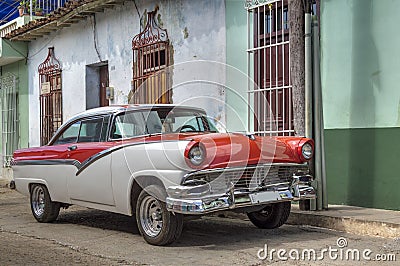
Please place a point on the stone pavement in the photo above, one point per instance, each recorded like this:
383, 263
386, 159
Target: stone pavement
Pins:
350, 219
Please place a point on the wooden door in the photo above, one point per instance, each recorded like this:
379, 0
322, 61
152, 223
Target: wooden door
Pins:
103, 85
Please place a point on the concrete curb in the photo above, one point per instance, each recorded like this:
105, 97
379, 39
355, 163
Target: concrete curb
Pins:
353, 225
354, 220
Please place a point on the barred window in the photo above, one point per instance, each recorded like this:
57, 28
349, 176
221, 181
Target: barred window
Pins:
50, 97
269, 53
150, 47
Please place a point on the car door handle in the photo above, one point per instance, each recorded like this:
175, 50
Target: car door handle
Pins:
72, 148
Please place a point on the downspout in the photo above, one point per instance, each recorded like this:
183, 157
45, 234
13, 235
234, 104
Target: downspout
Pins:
308, 94
308, 73
320, 174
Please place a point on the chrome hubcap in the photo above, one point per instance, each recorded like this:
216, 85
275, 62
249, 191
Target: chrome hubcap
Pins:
151, 216
38, 201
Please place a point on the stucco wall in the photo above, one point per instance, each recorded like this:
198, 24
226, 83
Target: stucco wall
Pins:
360, 63
236, 59
359, 66
196, 30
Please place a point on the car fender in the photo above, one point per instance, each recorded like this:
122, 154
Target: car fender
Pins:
51, 176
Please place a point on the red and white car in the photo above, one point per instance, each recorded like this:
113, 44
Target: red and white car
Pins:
160, 162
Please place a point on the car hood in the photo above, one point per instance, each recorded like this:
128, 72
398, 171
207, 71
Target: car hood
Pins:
235, 149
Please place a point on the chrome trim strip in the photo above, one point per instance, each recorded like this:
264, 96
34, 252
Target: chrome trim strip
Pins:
92, 202
75, 163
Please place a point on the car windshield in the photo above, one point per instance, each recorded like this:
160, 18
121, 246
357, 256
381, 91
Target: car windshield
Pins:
159, 121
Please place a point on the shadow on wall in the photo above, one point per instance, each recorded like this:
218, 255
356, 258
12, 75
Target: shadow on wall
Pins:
365, 65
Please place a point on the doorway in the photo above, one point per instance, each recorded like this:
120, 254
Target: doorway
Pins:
97, 80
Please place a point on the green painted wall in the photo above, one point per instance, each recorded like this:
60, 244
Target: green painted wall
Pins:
236, 60
360, 63
14, 50
361, 98
20, 69
363, 167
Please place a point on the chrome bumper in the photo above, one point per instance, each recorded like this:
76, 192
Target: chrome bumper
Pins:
200, 200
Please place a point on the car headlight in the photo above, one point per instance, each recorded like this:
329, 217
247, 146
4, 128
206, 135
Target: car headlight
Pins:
307, 151
196, 155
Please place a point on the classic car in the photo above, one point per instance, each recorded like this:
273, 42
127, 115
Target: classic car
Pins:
159, 163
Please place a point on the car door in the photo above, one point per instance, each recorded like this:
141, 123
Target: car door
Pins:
92, 181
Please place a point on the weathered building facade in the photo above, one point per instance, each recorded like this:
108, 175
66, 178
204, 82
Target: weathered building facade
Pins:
104, 58
97, 52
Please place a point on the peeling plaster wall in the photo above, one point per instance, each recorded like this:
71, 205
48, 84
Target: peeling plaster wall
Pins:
196, 31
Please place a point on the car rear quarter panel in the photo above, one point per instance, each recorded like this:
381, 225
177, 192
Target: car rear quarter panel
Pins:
52, 176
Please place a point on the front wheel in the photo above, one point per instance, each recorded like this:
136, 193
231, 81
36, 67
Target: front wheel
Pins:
43, 208
156, 224
272, 216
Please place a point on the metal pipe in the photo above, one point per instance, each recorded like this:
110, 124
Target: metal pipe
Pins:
249, 109
308, 86
308, 77
320, 173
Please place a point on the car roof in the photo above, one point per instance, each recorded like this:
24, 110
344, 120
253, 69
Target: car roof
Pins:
120, 108
113, 109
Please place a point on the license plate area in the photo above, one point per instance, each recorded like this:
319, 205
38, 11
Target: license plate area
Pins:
270, 196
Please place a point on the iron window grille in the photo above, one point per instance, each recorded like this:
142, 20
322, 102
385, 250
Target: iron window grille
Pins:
150, 47
9, 116
50, 97
268, 52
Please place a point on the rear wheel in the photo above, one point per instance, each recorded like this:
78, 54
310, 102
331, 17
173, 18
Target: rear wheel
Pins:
43, 208
156, 224
272, 216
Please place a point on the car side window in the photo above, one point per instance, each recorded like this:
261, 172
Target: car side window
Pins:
87, 130
128, 125
91, 130
70, 135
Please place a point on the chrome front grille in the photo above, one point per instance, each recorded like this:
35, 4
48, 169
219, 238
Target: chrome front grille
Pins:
247, 178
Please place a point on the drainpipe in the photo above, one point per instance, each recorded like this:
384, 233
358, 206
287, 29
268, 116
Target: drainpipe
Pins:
320, 174
308, 73
308, 94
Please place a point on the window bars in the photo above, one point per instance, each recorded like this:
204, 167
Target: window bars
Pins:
50, 97
9, 116
269, 56
150, 60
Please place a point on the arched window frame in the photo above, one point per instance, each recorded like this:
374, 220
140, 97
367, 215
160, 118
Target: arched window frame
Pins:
150, 47
50, 97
